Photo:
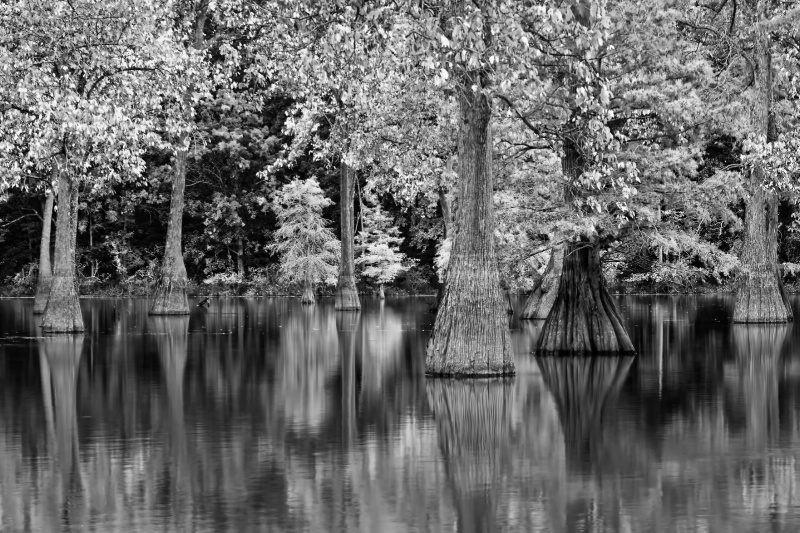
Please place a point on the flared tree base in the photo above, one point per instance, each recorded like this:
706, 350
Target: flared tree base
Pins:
471, 336
63, 311
170, 298
42, 294
584, 318
541, 300
761, 298
347, 296
308, 295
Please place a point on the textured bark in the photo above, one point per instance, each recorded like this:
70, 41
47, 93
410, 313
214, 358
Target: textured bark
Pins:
584, 318
346, 292
45, 279
584, 389
544, 293
474, 419
308, 293
240, 265
62, 313
447, 221
760, 296
170, 296
471, 336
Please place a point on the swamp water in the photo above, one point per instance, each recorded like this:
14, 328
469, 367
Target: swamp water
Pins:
263, 415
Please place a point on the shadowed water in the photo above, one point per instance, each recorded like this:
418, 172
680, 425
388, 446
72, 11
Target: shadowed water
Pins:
263, 415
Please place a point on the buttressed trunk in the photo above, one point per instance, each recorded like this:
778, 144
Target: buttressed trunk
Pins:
760, 296
584, 318
543, 296
62, 313
308, 293
470, 335
170, 297
45, 279
346, 293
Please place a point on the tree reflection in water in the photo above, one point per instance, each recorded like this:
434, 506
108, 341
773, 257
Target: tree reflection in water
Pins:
59, 361
264, 415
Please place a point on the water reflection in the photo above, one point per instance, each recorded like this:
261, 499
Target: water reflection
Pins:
260, 414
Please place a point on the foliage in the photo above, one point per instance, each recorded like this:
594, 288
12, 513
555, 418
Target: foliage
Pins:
308, 250
377, 246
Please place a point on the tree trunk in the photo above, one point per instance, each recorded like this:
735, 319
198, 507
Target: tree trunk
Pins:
541, 300
62, 313
470, 336
584, 318
346, 292
447, 222
170, 296
308, 293
240, 268
760, 296
381, 294
45, 279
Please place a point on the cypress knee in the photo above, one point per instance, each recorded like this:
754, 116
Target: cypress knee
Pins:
471, 336
62, 313
170, 295
346, 292
584, 318
45, 279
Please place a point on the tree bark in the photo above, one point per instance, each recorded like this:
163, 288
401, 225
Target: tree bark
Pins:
760, 296
346, 292
240, 266
170, 296
45, 278
471, 335
62, 313
584, 318
544, 293
381, 294
308, 293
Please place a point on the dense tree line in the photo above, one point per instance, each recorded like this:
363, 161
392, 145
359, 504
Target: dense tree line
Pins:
543, 146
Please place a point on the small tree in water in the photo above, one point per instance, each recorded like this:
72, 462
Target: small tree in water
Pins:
308, 249
377, 245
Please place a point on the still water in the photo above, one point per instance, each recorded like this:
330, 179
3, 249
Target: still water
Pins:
262, 415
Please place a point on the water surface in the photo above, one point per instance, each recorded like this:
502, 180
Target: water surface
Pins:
263, 415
